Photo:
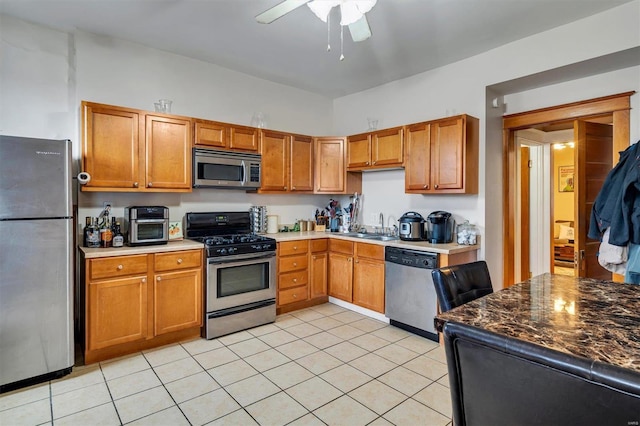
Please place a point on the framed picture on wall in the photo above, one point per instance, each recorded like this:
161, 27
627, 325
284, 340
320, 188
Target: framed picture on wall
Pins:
565, 178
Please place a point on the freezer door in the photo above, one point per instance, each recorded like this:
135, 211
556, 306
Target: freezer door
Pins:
36, 305
35, 178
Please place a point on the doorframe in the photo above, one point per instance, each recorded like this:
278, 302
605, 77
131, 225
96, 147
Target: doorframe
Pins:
618, 106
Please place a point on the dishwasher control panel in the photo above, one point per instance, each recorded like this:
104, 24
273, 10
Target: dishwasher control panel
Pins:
411, 258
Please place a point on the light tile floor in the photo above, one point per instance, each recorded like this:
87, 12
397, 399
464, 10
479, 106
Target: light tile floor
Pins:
322, 365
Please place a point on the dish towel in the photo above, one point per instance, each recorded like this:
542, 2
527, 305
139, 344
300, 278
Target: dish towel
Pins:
610, 257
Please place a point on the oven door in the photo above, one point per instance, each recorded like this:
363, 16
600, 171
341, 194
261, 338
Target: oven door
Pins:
145, 231
240, 279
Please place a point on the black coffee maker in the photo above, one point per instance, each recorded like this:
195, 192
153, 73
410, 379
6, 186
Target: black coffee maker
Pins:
440, 227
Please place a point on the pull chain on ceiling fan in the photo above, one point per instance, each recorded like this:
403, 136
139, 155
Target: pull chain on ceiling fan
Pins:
352, 14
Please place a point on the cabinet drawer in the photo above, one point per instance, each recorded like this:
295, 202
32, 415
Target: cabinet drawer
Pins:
177, 260
287, 248
113, 267
293, 263
341, 246
372, 251
292, 279
319, 245
290, 295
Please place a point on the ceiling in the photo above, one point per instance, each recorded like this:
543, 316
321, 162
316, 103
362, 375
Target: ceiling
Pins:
409, 36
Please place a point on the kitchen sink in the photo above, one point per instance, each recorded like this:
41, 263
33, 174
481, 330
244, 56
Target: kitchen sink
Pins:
377, 237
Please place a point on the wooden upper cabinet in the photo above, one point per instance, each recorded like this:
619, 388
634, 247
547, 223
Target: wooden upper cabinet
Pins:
381, 149
418, 162
451, 146
359, 151
243, 138
111, 152
168, 148
211, 133
301, 163
275, 159
224, 135
331, 176
128, 150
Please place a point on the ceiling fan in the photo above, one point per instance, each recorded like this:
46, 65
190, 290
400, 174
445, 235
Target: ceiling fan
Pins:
352, 13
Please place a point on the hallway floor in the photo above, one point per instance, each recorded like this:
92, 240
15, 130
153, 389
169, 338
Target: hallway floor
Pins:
322, 365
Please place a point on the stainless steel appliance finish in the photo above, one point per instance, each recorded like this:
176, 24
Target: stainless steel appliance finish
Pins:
146, 225
224, 169
411, 227
36, 266
240, 290
410, 297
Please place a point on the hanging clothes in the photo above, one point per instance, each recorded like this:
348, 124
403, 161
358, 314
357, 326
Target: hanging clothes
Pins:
617, 205
632, 275
612, 258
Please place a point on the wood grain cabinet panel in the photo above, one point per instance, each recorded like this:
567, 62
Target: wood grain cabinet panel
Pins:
243, 138
442, 156
172, 261
211, 133
381, 149
318, 274
129, 150
177, 301
301, 164
331, 176
341, 276
275, 160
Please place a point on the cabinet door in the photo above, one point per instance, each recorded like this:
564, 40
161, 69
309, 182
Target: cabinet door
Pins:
111, 150
243, 138
210, 133
368, 284
387, 148
177, 301
318, 274
330, 165
117, 311
447, 150
359, 151
340, 276
168, 145
418, 158
275, 159
301, 163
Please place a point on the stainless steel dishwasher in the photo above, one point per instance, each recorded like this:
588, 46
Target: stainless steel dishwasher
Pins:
410, 298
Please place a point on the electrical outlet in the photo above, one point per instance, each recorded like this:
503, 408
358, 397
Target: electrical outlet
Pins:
107, 204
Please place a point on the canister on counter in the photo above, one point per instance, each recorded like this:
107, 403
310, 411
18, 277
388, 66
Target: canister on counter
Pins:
467, 233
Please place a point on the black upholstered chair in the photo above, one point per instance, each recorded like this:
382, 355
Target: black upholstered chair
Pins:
459, 284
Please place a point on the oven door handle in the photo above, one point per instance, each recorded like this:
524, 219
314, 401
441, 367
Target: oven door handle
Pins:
240, 259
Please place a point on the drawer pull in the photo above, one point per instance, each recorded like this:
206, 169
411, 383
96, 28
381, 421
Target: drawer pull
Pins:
179, 261
295, 263
426, 187
295, 280
135, 184
435, 186
144, 280
158, 279
295, 296
120, 267
150, 184
295, 247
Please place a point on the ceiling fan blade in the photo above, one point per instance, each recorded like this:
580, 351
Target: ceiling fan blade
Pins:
360, 30
279, 10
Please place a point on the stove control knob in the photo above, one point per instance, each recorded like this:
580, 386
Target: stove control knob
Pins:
266, 246
232, 250
223, 251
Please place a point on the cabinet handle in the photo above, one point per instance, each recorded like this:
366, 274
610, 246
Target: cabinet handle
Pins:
357, 261
314, 257
285, 188
144, 280
295, 280
366, 163
295, 296
295, 264
374, 163
435, 186
349, 259
135, 184
120, 267
150, 184
426, 186
293, 188
295, 247
179, 261
158, 279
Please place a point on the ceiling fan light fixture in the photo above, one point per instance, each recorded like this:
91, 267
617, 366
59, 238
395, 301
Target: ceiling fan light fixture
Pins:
321, 8
352, 11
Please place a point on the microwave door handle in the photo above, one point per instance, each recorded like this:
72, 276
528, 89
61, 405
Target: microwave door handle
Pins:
244, 173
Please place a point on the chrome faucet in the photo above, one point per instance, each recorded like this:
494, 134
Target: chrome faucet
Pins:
381, 223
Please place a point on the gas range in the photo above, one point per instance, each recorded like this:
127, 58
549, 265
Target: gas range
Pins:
226, 233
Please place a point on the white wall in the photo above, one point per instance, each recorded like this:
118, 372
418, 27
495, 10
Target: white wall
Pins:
465, 87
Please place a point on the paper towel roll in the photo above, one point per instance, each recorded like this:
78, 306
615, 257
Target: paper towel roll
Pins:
272, 224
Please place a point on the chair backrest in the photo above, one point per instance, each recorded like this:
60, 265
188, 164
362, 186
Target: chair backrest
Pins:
459, 284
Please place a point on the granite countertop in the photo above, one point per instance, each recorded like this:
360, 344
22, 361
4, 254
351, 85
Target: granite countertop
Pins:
450, 248
593, 319
126, 250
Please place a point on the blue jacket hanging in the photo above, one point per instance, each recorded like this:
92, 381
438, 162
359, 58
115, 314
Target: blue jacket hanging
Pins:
618, 203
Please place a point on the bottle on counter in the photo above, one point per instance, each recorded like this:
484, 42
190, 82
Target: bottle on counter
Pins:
91, 234
118, 238
106, 234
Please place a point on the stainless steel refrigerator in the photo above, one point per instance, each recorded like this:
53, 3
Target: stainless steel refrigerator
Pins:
36, 271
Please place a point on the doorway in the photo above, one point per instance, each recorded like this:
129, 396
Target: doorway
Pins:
587, 118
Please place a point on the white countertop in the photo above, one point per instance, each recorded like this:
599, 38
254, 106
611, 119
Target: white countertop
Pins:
450, 248
126, 250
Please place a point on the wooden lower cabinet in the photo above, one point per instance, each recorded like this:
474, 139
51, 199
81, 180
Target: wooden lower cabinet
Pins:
135, 302
356, 273
301, 274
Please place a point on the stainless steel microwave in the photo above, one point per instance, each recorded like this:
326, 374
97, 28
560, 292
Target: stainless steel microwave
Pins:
224, 169
146, 225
